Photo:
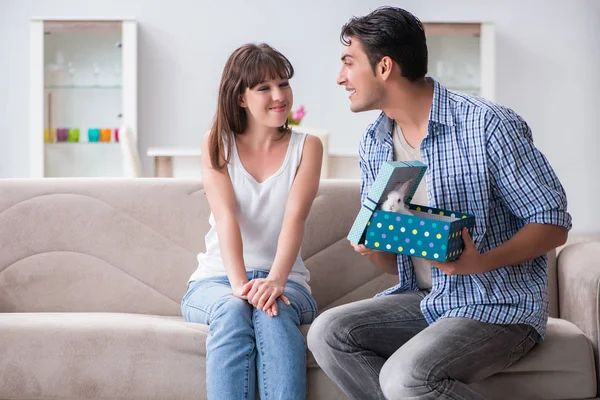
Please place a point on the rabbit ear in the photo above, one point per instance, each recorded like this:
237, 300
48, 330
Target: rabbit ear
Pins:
406, 185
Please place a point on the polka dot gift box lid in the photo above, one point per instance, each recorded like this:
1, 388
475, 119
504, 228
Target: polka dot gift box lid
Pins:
418, 231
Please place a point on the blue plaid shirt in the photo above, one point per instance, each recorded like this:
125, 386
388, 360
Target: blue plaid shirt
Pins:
481, 160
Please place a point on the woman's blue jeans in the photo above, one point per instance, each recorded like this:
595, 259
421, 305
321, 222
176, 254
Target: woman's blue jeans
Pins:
245, 346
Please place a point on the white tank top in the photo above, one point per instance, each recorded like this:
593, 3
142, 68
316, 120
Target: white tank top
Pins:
403, 152
259, 209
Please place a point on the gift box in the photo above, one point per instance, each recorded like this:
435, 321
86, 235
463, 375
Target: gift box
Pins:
417, 230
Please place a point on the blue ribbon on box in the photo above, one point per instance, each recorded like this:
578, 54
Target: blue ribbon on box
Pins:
369, 206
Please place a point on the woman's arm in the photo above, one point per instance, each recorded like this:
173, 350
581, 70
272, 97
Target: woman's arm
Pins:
303, 192
219, 192
304, 189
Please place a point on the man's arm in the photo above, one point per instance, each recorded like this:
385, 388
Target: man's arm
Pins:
529, 242
525, 182
530, 189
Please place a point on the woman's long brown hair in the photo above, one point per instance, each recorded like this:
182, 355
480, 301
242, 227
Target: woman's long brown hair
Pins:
247, 66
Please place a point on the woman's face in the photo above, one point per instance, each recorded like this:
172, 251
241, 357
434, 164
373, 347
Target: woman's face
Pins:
268, 103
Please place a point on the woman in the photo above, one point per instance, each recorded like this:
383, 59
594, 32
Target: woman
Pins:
251, 285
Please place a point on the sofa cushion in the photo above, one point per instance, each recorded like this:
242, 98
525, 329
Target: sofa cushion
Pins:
561, 367
74, 355
101, 355
111, 356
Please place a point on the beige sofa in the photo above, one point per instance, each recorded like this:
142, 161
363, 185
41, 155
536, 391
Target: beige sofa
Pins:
92, 273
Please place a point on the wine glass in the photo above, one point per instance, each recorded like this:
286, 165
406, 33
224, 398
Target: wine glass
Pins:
117, 72
71, 71
96, 71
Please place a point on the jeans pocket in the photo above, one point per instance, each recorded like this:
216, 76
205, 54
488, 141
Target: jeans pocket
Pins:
309, 313
194, 314
522, 348
189, 290
196, 302
308, 316
302, 301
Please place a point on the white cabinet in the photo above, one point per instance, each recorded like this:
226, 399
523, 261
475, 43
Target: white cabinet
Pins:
462, 56
83, 91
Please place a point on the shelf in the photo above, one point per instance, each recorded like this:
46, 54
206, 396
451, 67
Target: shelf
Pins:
196, 152
81, 87
173, 152
443, 28
81, 25
464, 89
59, 144
344, 153
83, 159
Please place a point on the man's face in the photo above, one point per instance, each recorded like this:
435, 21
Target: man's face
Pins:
365, 88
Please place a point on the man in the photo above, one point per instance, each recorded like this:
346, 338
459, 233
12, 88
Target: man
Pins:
444, 325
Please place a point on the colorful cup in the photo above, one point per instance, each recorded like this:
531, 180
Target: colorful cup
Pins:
116, 134
62, 134
93, 134
105, 134
73, 135
49, 135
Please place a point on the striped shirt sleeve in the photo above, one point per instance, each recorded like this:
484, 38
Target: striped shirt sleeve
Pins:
522, 176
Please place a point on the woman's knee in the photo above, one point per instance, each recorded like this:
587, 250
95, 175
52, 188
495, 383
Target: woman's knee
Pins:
233, 310
226, 313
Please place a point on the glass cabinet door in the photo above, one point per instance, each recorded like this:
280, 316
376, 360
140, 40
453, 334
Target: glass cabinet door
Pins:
461, 56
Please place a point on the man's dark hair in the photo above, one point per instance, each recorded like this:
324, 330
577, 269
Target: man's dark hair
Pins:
393, 32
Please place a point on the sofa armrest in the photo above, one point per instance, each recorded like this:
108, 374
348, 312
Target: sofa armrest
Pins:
579, 289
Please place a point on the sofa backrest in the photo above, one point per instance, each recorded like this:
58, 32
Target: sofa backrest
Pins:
130, 245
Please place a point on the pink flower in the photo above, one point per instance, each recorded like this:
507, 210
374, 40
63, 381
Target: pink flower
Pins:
298, 114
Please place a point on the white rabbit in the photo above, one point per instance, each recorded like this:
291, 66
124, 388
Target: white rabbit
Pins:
395, 198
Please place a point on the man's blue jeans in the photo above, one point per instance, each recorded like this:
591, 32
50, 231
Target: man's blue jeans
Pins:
245, 346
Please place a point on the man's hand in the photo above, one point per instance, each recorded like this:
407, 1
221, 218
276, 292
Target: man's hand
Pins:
363, 251
469, 262
386, 261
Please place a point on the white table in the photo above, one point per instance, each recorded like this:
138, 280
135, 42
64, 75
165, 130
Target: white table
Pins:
185, 161
164, 159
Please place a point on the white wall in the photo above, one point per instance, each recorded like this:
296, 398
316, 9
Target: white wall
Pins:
548, 60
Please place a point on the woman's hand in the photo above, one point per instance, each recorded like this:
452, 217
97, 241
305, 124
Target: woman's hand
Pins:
263, 293
238, 290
